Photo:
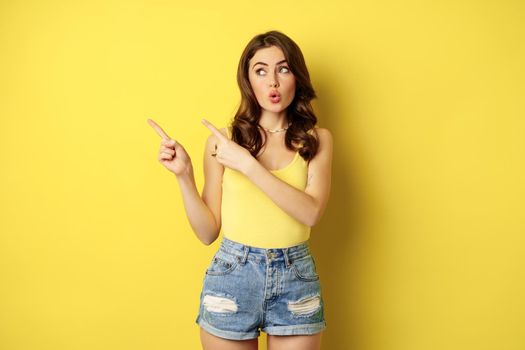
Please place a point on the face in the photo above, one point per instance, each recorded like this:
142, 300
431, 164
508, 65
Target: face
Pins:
269, 72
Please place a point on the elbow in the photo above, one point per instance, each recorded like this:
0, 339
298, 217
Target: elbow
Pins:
315, 214
210, 234
311, 223
207, 242
209, 239
313, 218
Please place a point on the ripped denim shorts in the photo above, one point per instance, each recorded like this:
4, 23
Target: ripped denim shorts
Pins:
247, 290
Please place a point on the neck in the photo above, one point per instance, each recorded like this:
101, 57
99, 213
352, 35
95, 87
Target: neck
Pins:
273, 121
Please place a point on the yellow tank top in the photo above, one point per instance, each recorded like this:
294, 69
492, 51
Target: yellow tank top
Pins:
250, 217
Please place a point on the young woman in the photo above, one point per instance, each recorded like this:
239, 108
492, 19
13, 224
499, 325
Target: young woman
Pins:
267, 182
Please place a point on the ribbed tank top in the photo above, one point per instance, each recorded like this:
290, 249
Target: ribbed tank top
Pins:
250, 217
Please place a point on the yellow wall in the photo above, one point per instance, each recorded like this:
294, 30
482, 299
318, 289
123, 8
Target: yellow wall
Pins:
422, 244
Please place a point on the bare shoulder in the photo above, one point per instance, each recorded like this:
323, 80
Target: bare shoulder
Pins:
325, 138
323, 132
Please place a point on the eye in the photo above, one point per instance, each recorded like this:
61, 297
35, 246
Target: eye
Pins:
287, 70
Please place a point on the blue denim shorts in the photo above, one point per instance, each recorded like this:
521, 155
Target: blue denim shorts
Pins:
247, 290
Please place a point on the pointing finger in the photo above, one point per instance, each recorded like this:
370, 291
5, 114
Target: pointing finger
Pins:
214, 130
158, 129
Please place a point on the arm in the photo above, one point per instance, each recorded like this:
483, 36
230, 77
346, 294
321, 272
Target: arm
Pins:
204, 214
305, 206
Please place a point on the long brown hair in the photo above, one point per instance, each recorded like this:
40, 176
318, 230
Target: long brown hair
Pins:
300, 114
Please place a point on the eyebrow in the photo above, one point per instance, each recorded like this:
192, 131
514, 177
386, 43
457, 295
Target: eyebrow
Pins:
267, 64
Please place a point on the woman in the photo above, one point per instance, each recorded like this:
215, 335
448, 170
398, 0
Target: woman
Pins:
267, 182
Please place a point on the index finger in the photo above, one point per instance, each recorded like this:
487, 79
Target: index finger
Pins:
214, 130
158, 129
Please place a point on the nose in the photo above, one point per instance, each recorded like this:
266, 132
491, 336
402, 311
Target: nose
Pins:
273, 81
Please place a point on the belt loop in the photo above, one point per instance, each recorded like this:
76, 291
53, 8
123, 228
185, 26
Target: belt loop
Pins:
245, 256
286, 259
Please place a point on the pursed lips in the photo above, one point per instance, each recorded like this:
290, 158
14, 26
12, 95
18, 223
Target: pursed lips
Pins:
274, 93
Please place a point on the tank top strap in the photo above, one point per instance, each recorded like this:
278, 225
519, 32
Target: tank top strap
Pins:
228, 132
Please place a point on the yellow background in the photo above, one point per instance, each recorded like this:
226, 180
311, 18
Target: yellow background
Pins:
422, 244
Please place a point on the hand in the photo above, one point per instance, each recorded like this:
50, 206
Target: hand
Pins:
171, 153
229, 153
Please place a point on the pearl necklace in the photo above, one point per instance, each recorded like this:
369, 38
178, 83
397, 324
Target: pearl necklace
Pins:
276, 130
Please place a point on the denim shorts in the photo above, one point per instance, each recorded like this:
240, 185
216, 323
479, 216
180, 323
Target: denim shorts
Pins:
247, 290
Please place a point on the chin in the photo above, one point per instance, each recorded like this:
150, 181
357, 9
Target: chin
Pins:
277, 108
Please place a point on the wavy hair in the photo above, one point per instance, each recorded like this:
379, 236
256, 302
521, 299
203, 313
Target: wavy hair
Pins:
301, 117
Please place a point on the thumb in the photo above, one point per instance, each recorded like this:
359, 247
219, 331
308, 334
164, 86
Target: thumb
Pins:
175, 144
169, 143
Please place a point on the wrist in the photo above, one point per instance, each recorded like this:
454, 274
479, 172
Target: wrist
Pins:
186, 175
251, 167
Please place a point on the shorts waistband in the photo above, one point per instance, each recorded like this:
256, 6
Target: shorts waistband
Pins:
285, 254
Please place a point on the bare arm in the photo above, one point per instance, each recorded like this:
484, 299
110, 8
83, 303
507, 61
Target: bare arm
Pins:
204, 213
199, 216
306, 206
